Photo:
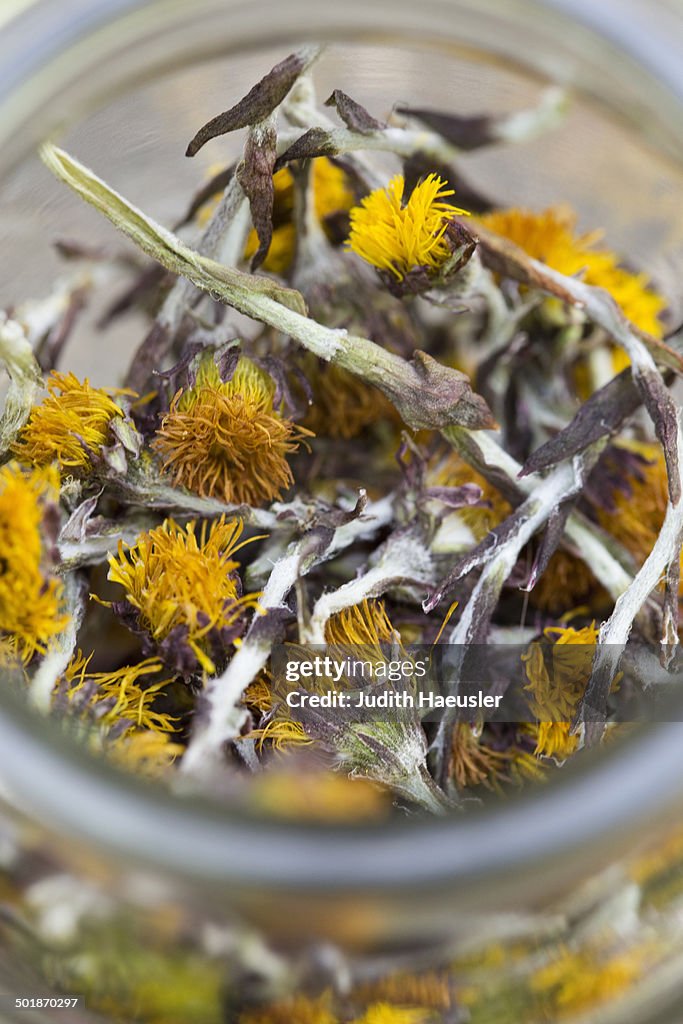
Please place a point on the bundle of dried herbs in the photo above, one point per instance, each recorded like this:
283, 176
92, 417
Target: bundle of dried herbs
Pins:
362, 418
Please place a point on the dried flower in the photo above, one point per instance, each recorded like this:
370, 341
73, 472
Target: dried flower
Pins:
551, 237
399, 237
226, 440
365, 625
70, 426
472, 762
183, 589
31, 598
117, 710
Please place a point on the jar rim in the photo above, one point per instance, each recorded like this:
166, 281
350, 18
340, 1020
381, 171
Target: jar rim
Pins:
608, 795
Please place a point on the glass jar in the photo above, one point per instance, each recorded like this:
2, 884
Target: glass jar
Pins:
165, 908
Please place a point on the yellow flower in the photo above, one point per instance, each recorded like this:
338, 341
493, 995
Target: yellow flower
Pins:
362, 624
551, 237
31, 599
70, 425
318, 796
226, 440
555, 739
399, 238
119, 694
430, 989
183, 587
119, 713
555, 696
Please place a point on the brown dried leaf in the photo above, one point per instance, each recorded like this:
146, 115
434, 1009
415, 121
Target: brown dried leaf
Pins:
354, 116
255, 175
663, 413
603, 413
315, 142
466, 133
258, 104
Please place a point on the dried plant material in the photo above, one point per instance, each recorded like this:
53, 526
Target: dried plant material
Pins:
72, 425
259, 102
226, 440
182, 590
341, 421
399, 234
32, 606
391, 527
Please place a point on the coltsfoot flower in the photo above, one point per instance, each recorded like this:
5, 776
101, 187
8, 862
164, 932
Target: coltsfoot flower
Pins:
118, 711
398, 237
31, 597
182, 590
70, 426
226, 440
551, 237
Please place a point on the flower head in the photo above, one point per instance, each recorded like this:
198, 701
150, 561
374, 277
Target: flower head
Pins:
182, 590
118, 711
70, 426
226, 440
551, 237
398, 237
31, 598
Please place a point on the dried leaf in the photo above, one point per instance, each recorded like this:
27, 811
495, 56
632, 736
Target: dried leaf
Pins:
354, 116
313, 143
602, 414
255, 175
664, 414
466, 133
259, 102
550, 541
